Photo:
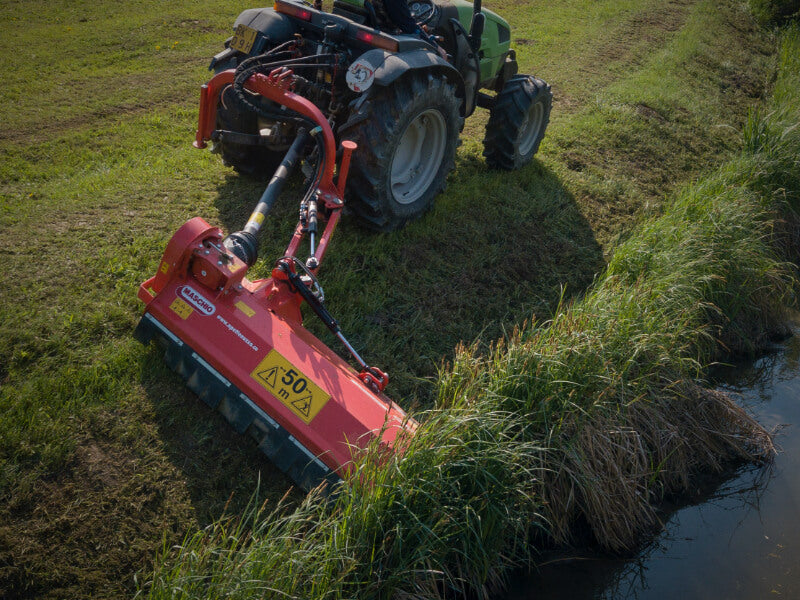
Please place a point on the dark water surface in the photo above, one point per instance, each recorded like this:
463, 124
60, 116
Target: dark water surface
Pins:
739, 540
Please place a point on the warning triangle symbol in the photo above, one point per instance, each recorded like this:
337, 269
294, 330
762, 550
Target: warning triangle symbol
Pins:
268, 376
303, 405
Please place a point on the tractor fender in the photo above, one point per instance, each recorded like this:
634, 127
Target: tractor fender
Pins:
389, 67
274, 26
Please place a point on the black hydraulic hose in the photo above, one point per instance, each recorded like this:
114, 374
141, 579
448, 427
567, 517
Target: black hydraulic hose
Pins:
243, 75
282, 49
260, 66
320, 164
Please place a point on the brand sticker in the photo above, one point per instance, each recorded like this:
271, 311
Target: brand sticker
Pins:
360, 76
197, 300
288, 384
180, 308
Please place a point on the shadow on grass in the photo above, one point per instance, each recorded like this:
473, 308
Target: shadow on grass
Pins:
221, 469
497, 249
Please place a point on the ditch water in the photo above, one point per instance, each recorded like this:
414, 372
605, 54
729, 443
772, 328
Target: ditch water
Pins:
738, 539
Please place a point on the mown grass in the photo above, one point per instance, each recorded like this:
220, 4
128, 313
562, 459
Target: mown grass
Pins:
587, 418
104, 455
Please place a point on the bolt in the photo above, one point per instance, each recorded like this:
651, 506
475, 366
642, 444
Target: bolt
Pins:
203, 273
207, 252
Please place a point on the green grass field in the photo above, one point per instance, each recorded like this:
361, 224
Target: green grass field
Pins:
104, 456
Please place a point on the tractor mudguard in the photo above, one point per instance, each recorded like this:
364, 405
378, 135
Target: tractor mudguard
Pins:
274, 26
389, 67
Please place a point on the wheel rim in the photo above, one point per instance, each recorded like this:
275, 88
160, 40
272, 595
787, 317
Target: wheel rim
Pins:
418, 156
530, 128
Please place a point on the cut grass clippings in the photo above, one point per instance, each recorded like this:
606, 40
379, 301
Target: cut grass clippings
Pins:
586, 419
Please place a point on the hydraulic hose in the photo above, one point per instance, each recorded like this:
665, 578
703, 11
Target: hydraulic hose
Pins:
243, 74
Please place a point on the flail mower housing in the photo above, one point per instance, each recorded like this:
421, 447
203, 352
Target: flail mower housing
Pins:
240, 344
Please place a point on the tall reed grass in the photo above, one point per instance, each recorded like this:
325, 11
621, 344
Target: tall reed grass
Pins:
585, 420
774, 12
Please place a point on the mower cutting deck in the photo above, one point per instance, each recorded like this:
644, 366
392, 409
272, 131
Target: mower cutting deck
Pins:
240, 344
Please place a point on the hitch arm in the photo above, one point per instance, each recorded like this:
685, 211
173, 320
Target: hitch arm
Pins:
373, 377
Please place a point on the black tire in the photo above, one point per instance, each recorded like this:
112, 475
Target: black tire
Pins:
517, 122
255, 161
393, 124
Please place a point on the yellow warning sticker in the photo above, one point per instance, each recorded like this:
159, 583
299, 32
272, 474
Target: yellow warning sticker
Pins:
284, 381
164, 267
181, 308
244, 308
256, 217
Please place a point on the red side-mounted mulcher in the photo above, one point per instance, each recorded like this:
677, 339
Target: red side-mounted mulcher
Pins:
240, 344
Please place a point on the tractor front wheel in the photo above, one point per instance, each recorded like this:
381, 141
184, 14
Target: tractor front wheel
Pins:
407, 135
517, 122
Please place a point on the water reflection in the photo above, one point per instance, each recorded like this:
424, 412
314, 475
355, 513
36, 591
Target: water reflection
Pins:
735, 539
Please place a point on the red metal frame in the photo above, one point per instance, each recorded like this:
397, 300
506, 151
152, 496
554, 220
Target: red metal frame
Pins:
200, 295
277, 87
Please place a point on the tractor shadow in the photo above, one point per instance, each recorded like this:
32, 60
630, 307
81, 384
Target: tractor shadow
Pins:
498, 249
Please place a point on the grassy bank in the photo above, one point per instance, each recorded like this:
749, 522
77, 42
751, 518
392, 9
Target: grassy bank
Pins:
584, 420
104, 456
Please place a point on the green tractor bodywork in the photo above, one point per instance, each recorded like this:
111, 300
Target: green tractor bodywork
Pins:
496, 39
495, 42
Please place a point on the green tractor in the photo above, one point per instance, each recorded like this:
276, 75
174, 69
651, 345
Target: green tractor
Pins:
395, 95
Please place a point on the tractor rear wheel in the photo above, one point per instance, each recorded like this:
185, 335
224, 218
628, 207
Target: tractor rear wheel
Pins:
517, 122
407, 135
255, 161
